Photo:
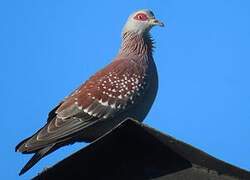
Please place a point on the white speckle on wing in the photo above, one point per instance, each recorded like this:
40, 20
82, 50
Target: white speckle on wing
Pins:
103, 103
86, 110
95, 114
113, 105
90, 112
105, 116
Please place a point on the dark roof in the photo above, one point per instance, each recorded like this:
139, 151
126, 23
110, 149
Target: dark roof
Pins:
135, 151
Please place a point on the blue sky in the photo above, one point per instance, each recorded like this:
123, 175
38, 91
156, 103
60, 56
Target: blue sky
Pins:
48, 48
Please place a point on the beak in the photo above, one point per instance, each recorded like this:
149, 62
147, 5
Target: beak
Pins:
155, 22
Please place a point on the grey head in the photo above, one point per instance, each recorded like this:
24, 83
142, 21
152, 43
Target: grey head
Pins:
141, 22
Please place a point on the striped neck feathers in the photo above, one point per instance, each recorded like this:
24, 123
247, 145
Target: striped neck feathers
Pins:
134, 44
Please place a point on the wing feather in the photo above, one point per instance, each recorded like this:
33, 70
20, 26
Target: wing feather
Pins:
97, 99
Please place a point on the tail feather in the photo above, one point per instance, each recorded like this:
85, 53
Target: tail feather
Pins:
19, 146
23, 148
37, 156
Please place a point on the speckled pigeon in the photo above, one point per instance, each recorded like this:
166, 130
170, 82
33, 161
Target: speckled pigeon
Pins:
125, 88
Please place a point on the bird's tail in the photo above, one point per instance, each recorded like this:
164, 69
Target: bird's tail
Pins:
37, 156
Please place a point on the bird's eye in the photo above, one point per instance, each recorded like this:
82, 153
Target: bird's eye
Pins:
141, 17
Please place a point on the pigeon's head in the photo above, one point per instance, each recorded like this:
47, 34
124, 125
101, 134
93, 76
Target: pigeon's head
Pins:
141, 22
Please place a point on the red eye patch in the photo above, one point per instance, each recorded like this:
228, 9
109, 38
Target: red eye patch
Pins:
141, 17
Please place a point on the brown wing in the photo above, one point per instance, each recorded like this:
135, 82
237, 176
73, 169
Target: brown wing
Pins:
102, 96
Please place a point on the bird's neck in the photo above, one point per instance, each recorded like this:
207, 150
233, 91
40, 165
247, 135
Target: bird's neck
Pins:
134, 44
